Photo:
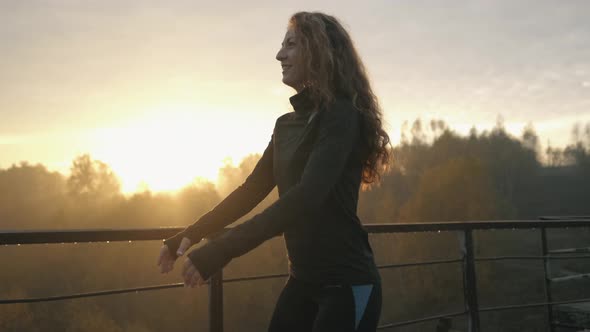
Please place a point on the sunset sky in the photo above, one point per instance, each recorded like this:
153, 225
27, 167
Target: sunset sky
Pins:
164, 91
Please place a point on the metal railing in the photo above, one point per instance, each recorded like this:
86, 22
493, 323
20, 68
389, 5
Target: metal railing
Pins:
468, 260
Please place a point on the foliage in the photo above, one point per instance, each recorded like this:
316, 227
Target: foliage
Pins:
436, 175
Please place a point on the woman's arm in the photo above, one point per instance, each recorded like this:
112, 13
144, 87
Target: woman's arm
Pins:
337, 135
241, 201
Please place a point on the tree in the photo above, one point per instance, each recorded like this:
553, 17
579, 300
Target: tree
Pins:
92, 179
30, 196
460, 189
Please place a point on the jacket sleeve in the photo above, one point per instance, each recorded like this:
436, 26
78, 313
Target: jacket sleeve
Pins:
241, 201
337, 134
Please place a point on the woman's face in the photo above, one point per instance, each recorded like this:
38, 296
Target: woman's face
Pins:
289, 56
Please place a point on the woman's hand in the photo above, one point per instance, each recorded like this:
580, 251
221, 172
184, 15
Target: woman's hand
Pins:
191, 276
166, 259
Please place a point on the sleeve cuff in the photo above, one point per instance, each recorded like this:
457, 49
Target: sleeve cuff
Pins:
208, 259
174, 242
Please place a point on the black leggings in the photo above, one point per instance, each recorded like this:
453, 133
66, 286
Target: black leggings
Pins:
304, 307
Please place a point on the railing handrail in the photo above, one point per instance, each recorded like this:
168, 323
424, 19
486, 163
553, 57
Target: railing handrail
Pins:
50, 236
46, 236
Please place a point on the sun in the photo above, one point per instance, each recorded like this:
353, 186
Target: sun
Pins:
169, 148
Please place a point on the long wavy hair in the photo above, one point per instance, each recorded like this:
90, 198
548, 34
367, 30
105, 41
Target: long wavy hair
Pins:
332, 67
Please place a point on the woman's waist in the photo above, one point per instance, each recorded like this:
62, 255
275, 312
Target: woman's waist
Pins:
348, 273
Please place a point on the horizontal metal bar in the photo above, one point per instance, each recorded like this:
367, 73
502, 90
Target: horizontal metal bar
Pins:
425, 319
564, 217
86, 235
499, 258
90, 294
474, 225
569, 250
558, 324
420, 263
146, 234
572, 277
529, 257
260, 277
530, 305
178, 285
127, 290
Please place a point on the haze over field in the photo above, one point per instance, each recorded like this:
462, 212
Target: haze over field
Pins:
166, 92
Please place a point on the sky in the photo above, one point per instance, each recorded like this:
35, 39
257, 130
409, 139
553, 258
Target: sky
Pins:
166, 91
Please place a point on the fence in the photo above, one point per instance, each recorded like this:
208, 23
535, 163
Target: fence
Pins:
468, 260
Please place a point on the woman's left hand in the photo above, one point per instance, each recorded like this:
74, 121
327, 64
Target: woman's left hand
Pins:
191, 276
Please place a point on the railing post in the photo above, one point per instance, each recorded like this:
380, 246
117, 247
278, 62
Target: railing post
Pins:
470, 284
216, 302
547, 270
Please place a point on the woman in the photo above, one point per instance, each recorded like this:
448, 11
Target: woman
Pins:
317, 156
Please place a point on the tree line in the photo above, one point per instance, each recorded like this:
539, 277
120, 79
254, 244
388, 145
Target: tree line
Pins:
436, 175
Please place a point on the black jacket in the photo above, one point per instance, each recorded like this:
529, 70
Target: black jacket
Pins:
314, 159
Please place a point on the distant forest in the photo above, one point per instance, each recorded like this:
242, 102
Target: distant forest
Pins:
437, 175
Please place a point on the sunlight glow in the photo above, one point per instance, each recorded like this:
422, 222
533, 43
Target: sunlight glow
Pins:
171, 147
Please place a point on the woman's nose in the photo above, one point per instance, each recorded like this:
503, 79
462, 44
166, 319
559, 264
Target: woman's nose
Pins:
280, 55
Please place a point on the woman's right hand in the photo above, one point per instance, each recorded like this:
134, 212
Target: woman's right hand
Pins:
167, 259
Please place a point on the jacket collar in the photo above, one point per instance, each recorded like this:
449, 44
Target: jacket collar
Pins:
302, 102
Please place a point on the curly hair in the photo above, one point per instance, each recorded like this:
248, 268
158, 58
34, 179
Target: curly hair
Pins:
332, 67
